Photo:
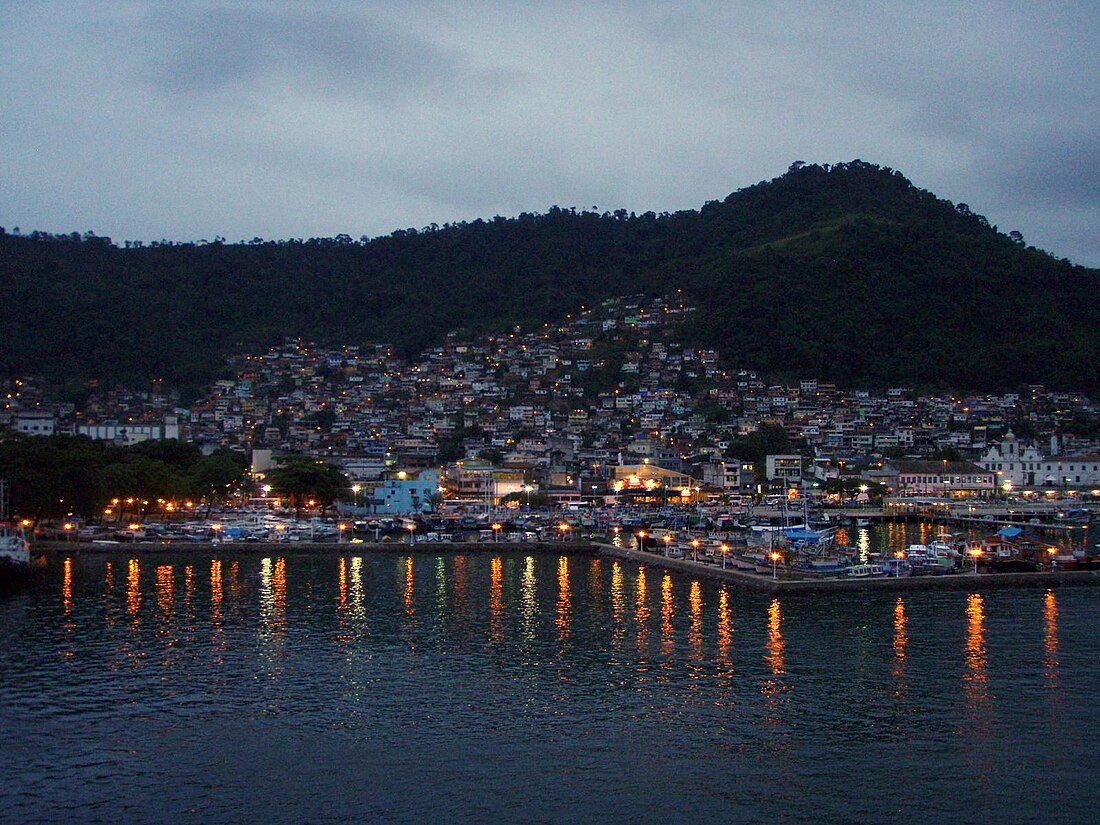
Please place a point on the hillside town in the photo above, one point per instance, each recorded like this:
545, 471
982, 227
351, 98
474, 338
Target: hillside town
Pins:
603, 404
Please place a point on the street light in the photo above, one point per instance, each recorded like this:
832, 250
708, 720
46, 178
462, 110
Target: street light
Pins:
725, 548
668, 542
640, 535
564, 527
775, 560
975, 553
695, 549
496, 525
411, 527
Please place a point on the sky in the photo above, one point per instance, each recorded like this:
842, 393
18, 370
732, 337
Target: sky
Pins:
188, 121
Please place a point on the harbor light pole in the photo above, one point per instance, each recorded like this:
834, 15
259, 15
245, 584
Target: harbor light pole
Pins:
775, 561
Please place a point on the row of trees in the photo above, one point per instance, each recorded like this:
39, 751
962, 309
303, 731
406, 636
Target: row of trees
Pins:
62, 476
72, 476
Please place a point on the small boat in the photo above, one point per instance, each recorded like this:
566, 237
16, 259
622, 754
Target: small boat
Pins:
15, 550
864, 571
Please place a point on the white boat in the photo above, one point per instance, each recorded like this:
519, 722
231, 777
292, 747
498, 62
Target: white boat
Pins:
864, 571
15, 550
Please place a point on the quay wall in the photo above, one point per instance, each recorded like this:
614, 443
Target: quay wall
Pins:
781, 586
754, 581
307, 548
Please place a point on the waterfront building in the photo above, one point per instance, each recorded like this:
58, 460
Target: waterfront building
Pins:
953, 479
1024, 465
405, 491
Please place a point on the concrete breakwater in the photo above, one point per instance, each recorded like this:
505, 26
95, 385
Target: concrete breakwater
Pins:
784, 586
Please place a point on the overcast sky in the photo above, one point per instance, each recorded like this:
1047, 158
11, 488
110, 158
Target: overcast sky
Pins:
190, 120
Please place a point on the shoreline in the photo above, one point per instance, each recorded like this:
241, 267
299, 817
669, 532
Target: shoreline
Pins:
752, 581
954, 581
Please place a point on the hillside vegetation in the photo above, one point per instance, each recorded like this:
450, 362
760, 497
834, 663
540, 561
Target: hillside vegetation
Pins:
846, 273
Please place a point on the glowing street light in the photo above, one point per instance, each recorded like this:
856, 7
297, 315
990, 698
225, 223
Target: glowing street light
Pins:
975, 553
640, 535
775, 561
564, 527
411, 527
725, 549
695, 549
496, 525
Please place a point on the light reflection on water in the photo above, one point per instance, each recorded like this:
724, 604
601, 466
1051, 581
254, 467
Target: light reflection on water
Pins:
1050, 639
529, 656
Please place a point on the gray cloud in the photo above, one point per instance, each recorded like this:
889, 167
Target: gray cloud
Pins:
148, 120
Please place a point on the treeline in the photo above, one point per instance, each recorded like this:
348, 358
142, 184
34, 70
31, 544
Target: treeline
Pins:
57, 477
848, 273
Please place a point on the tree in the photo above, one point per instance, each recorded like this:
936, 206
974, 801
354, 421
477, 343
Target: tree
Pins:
302, 479
213, 477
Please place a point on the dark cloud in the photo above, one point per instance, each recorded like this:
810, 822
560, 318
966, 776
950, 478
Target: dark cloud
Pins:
308, 51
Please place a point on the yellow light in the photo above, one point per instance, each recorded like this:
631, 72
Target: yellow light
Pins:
668, 538
695, 543
215, 527
134, 526
496, 526
775, 556
26, 522
68, 525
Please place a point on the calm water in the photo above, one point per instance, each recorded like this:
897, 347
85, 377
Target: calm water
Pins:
516, 688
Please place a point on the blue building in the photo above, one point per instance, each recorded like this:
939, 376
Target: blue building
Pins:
406, 491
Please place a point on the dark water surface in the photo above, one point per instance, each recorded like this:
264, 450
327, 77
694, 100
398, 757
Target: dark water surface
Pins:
519, 688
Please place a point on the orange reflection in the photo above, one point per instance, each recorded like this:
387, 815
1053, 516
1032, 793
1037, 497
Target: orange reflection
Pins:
216, 591
595, 580
667, 642
165, 587
278, 588
1050, 639
110, 580
188, 585
618, 603
496, 600
901, 641
641, 611
342, 586
460, 598
695, 631
355, 596
775, 642
235, 581
976, 678
410, 601
67, 587
564, 599
725, 635
133, 588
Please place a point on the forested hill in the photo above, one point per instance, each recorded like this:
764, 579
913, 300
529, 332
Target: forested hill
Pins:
848, 273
